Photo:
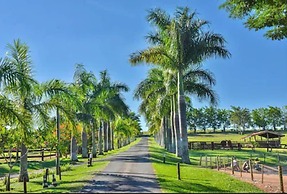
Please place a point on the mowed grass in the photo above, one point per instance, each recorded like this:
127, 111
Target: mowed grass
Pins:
72, 180
193, 178
218, 137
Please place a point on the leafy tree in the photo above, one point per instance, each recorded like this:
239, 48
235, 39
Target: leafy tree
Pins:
211, 114
240, 116
284, 117
223, 117
260, 117
261, 14
274, 116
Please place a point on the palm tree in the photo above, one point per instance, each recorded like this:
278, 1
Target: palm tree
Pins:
32, 100
22, 94
108, 103
160, 87
60, 96
179, 43
85, 82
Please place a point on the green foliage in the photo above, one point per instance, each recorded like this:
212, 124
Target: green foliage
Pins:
240, 116
260, 117
261, 14
274, 116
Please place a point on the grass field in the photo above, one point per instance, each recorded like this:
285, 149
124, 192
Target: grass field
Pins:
217, 137
193, 178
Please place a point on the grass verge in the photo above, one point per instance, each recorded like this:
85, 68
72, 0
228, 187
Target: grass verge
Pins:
73, 179
193, 178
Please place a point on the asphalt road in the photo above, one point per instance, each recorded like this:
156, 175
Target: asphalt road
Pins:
128, 172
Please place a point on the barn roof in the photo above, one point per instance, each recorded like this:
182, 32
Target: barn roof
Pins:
265, 134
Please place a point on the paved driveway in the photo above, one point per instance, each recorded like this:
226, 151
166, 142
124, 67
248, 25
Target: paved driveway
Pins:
128, 172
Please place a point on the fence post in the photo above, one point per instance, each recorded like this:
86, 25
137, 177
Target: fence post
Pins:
251, 169
264, 157
240, 168
224, 166
262, 172
47, 174
220, 162
60, 173
42, 154
25, 184
205, 161
210, 161
200, 160
178, 171
217, 163
278, 158
232, 167
281, 178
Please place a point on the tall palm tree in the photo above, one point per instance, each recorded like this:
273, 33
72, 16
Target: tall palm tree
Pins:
31, 98
22, 94
85, 82
179, 43
160, 87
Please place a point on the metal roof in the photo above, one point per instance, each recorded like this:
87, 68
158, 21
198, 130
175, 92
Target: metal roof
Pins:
265, 133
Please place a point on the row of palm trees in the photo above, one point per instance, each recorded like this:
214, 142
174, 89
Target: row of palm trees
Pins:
95, 104
177, 50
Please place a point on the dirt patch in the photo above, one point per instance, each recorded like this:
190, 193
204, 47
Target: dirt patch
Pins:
271, 183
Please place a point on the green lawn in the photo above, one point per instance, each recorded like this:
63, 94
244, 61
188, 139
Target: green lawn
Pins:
193, 178
72, 179
217, 137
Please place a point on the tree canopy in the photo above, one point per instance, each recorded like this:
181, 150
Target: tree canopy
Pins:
261, 14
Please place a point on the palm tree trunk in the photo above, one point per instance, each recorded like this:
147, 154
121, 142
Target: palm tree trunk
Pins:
84, 143
163, 133
94, 145
24, 164
176, 129
172, 128
101, 139
113, 143
58, 142
105, 136
182, 120
74, 149
109, 136
168, 134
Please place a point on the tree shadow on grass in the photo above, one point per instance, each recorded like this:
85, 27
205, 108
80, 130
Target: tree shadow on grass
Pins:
187, 187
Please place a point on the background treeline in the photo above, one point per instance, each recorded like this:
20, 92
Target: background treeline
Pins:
237, 118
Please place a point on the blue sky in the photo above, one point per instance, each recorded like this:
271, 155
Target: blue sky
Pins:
102, 34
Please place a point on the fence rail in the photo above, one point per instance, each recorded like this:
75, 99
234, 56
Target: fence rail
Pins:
33, 153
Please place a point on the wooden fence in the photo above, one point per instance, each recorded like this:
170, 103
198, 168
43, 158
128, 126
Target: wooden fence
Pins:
205, 145
258, 174
40, 154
